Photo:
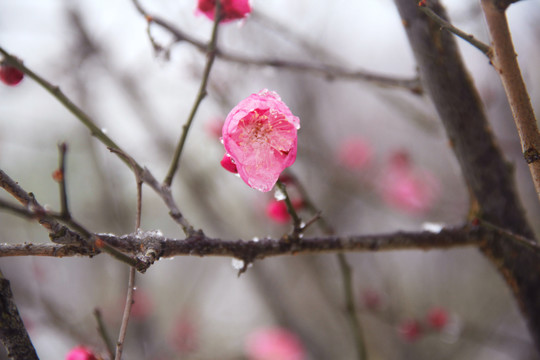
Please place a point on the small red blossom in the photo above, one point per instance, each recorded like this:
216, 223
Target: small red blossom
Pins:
277, 210
274, 344
228, 164
410, 330
437, 318
355, 154
80, 353
58, 175
371, 299
9, 75
230, 9
260, 135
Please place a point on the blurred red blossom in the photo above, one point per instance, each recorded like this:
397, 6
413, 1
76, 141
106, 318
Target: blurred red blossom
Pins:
355, 154
260, 136
274, 344
80, 353
276, 210
230, 9
9, 75
371, 299
407, 188
437, 318
410, 330
213, 127
184, 334
142, 305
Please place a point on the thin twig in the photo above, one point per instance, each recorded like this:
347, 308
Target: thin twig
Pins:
103, 333
60, 96
201, 94
350, 306
64, 208
297, 222
125, 316
484, 48
328, 71
345, 270
504, 60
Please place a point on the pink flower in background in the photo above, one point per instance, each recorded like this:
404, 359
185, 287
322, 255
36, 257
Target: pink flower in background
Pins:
371, 299
231, 9
277, 210
184, 336
355, 154
410, 330
260, 135
9, 75
142, 305
274, 344
406, 188
80, 353
213, 127
437, 318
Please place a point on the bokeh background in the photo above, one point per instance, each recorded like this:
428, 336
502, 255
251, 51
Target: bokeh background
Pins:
99, 53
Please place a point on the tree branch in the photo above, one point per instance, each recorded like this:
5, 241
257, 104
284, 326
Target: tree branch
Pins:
12, 331
328, 71
504, 60
201, 245
483, 166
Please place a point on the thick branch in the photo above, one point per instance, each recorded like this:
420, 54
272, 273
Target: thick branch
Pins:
486, 172
504, 59
200, 245
13, 334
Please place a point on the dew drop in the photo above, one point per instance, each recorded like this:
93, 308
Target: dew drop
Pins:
279, 195
432, 227
255, 239
237, 264
103, 130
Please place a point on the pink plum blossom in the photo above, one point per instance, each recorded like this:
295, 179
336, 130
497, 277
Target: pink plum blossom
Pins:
80, 353
228, 164
407, 188
274, 344
260, 136
230, 9
355, 153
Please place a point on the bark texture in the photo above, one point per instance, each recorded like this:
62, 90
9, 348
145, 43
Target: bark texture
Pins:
484, 168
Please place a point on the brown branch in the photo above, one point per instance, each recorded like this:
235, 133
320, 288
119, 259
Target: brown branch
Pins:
13, 334
211, 49
328, 71
200, 245
484, 48
483, 166
504, 59
164, 192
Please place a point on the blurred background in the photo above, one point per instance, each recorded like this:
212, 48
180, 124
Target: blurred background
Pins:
373, 159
